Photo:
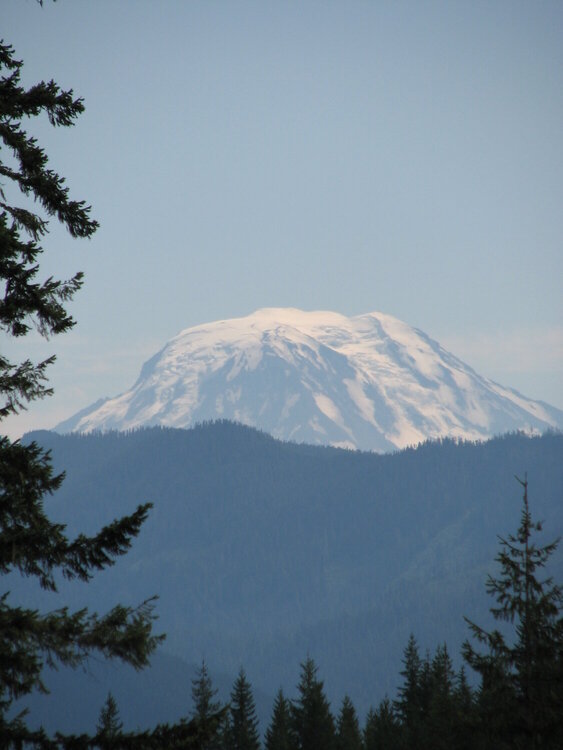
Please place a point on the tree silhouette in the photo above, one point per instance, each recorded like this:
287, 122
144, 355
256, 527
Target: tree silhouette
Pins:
109, 724
409, 704
244, 724
313, 723
30, 195
348, 734
382, 729
521, 695
279, 735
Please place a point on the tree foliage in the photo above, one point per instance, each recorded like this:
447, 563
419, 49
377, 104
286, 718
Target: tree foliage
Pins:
244, 724
203, 695
31, 193
207, 712
279, 735
313, 724
109, 724
521, 697
382, 729
348, 734
409, 705
28, 302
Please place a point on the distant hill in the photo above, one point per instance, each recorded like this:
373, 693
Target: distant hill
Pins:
370, 382
263, 552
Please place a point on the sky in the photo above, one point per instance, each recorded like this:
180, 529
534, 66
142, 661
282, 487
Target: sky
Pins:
402, 157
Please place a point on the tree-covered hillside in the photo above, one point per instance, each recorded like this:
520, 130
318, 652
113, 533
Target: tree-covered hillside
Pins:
263, 552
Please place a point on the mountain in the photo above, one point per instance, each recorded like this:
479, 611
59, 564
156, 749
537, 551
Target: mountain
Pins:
368, 382
262, 552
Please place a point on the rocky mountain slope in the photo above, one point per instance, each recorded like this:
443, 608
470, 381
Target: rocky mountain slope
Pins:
370, 382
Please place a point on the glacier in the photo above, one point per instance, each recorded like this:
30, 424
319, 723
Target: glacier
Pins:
368, 382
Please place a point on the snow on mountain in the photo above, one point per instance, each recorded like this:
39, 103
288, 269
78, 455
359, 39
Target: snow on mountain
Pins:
369, 382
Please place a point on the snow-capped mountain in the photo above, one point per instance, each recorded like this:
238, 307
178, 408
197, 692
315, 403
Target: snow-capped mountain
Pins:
369, 382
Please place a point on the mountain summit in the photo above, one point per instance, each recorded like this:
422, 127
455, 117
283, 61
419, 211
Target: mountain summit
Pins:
370, 382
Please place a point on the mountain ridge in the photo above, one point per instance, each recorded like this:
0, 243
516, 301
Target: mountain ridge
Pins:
262, 552
370, 382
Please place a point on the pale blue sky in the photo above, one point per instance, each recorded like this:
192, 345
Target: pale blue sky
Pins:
405, 157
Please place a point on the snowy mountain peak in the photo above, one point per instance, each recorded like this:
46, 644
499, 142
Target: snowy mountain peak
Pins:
369, 382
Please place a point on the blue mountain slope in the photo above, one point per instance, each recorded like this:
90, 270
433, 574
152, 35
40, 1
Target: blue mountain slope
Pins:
262, 551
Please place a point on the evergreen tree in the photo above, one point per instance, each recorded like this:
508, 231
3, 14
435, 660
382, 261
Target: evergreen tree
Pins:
222, 738
279, 735
313, 723
465, 719
207, 712
440, 722
30, 543
203, 695
521, 694
27, 303
426, 691
382, 729
408, 706
348, 735
109, 724
244, 724
370, 736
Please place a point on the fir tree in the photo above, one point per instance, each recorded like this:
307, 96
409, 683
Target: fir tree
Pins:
439, 726
279, 735
409, 705
203, 695
313, 723
26, 302
521, 694
207, 712
465, 719
426, 691
370, 737
109, 724
348, 735
382, 729
244, 724
30, 543
222, 737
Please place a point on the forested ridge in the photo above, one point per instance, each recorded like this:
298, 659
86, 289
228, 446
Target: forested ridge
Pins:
263, 552
516, 702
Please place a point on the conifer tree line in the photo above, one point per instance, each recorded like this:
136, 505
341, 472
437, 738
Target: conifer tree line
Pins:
518, 702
